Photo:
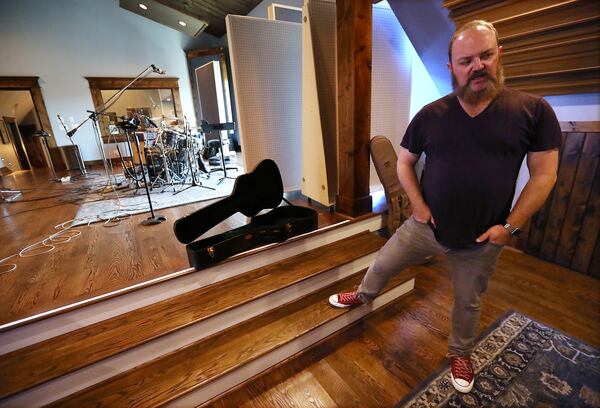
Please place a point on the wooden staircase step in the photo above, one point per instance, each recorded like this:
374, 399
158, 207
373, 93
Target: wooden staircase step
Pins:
40, 362
197, 365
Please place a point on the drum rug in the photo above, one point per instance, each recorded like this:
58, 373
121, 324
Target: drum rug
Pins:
105, 206
519, 363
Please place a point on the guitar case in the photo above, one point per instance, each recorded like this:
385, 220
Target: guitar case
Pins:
385, 158
253, 192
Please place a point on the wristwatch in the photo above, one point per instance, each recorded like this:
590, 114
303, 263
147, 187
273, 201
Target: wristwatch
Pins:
512, 230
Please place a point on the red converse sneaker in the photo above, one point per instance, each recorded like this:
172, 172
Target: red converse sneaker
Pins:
346, 299
462, 373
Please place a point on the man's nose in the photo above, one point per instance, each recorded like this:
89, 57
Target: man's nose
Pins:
477, 64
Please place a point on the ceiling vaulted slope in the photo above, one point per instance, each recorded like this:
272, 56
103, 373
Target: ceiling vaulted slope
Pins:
212, 11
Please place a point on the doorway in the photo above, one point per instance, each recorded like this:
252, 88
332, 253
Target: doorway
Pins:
22, 115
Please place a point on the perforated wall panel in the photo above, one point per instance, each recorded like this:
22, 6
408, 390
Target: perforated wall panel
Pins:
390, 81
267, 77
319, 98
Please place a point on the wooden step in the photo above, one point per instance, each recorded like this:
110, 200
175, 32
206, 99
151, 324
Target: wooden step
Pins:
196, 367
53, 323
63, 354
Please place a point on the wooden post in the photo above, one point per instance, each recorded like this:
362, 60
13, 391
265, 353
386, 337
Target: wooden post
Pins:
354, 32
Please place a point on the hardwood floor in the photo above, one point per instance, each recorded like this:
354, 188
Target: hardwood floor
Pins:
101, 260
376, 362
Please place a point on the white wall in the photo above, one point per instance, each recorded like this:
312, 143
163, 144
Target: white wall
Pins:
581, 108
63, 41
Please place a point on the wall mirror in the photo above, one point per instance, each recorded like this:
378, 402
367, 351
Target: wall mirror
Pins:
156, 98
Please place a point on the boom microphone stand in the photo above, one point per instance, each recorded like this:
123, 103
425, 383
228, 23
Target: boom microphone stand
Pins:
94, 115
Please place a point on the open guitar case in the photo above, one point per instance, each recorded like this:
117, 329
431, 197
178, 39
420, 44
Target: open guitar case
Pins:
252, 192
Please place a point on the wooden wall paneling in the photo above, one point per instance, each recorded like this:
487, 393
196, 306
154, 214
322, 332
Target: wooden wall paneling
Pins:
550, 33
466, 10
594, 268
550, 46
564, 187
573, 232
532, 242
589, 236
558, 83
354, 48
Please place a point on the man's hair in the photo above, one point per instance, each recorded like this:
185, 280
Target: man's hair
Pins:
468, 26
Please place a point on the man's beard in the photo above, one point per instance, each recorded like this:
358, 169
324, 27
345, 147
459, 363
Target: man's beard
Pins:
470, 97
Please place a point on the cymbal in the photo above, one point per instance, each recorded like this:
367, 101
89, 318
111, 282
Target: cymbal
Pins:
164, 118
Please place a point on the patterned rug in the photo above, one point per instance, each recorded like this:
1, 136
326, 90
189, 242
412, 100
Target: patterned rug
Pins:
519, 363
118, 204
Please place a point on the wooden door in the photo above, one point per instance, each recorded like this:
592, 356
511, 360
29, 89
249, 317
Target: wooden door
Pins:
566, 229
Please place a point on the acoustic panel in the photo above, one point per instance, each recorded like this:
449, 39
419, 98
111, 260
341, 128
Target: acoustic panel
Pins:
390, 81
266, 63
319, 99
212, 100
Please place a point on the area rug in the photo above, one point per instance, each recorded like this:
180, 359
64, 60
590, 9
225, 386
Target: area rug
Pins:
519, 363
131, 201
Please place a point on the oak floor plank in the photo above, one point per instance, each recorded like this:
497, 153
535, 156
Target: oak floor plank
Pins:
411, 334
102, 259
57, 356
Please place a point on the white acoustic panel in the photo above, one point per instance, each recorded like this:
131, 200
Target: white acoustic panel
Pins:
390, 80
319, 99
266, 63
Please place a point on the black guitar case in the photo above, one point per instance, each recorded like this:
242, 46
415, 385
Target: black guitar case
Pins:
253, 192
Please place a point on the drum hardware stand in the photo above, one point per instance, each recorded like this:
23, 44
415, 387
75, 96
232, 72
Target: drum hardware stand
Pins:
207, 128
153, 219
192, 172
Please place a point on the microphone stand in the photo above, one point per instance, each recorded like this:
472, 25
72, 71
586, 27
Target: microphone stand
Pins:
94, 116
153, 219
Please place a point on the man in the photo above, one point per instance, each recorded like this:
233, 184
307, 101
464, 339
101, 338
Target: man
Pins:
475, 140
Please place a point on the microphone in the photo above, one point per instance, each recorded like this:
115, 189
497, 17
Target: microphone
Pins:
62, 122
71, 132
157, 70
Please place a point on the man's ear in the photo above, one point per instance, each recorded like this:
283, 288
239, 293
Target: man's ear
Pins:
449, 67
500, 50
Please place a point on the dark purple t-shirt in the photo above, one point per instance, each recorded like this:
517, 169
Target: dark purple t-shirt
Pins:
472, 164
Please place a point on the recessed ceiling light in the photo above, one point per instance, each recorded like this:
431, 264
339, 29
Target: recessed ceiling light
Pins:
168, 99
182, 23
143, 6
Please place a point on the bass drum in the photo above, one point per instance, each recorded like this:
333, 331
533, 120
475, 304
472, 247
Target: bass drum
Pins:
154, 162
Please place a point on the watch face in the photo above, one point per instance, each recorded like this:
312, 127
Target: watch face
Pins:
516, 232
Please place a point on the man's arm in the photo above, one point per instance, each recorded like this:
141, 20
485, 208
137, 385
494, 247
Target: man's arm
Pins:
543, 167
405, 168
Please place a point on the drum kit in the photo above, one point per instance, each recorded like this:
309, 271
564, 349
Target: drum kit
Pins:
172, 154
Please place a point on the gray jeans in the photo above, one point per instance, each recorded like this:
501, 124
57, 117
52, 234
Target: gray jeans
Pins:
471, 270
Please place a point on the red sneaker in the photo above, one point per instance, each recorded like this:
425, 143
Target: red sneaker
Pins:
346, 299
462, 373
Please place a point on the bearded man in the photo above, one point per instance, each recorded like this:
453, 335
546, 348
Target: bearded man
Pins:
474, 141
